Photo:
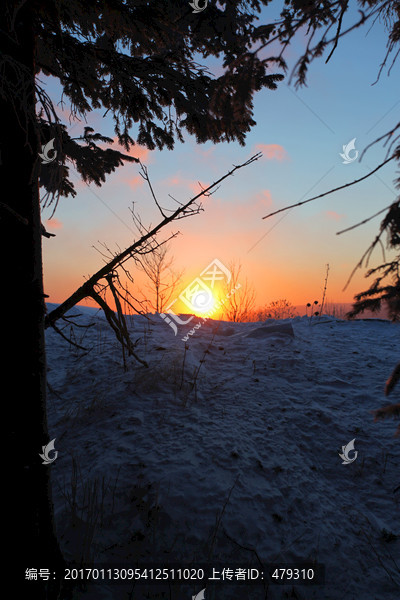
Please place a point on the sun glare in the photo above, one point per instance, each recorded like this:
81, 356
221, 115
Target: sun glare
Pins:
203, 302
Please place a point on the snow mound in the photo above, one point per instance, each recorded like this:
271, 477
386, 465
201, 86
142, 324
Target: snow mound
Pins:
226, 449
262, 332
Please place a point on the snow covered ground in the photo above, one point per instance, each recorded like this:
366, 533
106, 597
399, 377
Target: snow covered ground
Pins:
225, 450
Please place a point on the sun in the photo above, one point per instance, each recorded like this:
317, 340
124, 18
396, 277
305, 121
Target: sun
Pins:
203, 302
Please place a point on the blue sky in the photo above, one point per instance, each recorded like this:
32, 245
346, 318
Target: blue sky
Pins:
305, 129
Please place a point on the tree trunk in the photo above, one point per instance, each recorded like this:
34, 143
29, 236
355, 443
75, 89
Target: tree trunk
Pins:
34, 544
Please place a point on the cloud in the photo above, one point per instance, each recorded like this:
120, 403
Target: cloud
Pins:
189, 185
175, 180
140, 152
205, 154
54, 223
263, 199
333, 215
135, 182
197, 186
273, 151
252, 208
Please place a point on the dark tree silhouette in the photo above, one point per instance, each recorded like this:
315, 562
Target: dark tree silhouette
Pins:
136, 60
385, 289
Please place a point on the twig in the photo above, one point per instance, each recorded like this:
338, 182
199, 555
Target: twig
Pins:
368, 253
113, 322
253, 550
363, 222
54, 326
218, 521
387, 135
68, 320
146, 178
379, 558
201, 362
342, 187
323, 296
338, 30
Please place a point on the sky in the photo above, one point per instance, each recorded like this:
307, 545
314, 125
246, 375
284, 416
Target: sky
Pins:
301, 134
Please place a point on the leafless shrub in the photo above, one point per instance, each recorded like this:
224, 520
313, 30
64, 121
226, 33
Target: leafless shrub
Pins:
280, 309
238, 305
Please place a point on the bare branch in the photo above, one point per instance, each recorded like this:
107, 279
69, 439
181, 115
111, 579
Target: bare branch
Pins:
387, 135
162, 286
54, 326
341, 187
81, 325
145, 176
120, 332
364, 221
87, 288
366, 255
339, 27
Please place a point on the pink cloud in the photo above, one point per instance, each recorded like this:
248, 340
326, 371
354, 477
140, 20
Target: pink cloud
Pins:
253, 207
194, 187
333, 215
135, 182
273, 151
197, 186
140, 152
175, 180
205, 154
263, 199
54, 223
